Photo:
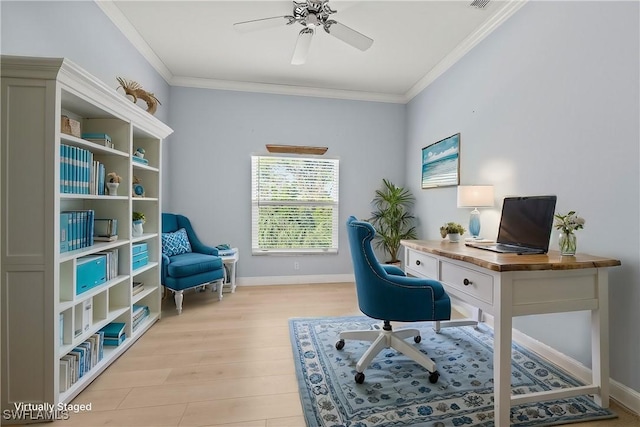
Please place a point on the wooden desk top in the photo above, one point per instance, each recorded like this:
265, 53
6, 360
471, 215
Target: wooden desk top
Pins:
508, 262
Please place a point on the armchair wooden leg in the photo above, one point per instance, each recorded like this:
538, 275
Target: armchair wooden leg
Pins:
178, 297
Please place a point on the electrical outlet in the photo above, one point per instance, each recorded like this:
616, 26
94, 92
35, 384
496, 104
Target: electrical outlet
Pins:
296, 265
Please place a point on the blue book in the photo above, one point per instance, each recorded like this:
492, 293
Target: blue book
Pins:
113, 330
75, 239
64, 231
64, 168
114, 342
101, 177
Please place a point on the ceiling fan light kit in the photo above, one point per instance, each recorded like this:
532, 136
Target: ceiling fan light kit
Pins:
310, 14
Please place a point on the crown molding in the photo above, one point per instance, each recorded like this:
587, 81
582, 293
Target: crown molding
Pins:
277, 89
122, 23
465, 46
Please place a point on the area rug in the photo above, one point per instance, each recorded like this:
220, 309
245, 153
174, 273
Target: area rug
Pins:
396, 391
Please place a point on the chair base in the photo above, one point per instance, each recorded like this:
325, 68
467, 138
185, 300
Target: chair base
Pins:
178, 296
385, 337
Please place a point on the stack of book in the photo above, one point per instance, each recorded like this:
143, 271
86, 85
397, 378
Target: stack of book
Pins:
140, 160
114, 334
227, 252
137, 287
112, 262
79, 172
99, 138
75, 364
140, 312
76, 229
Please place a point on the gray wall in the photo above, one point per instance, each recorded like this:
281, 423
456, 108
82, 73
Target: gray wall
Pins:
80, 31
217, 131
549, 104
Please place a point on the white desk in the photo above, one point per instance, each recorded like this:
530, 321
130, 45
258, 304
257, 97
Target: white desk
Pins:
517, 285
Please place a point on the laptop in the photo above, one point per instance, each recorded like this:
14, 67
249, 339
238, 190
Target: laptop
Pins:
525, 226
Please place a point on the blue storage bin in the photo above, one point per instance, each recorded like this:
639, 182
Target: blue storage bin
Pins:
139, 260
91, 271
138, 248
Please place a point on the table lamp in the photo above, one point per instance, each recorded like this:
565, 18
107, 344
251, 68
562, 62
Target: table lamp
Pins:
475, 196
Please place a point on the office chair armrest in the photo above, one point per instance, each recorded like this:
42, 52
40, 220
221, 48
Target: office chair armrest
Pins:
417, 282
393, 270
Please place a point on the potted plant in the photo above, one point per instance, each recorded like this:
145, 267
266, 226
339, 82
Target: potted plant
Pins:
392, 220
138, 219
453, 230
113, 182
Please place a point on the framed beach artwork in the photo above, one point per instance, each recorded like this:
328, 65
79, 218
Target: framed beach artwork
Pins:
441, 163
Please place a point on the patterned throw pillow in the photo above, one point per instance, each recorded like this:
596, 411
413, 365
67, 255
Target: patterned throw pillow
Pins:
175, 243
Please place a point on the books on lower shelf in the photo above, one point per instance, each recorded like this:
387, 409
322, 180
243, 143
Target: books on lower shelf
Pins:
140, 312
75, 364
76, 229
114, 334
137, 287
112, 262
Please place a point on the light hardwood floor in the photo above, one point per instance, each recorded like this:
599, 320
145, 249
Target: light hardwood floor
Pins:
222, 363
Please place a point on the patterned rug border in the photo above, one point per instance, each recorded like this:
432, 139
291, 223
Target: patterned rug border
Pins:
313, 419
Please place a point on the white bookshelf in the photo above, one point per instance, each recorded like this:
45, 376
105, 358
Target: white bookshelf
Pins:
38, 281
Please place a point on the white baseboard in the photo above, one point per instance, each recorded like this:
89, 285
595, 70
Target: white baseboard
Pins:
294, 280
622, 394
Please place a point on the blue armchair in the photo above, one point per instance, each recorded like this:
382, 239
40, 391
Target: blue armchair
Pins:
186, 262
385, 293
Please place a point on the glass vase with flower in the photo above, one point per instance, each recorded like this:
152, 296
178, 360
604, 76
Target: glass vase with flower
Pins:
568, 224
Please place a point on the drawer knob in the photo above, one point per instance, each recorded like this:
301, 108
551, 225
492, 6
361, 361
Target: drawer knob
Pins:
417, 262
467, 282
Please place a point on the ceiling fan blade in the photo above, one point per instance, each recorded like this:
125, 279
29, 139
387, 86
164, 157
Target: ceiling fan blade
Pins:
260, 24
302, 46
349, 36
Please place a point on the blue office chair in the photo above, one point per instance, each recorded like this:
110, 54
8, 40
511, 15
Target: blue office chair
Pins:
386, 293
186, 262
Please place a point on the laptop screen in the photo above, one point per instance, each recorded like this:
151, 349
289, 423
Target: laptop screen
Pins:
527, 221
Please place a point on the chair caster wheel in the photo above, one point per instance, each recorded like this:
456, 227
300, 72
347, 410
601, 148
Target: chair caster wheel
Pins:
417, 339
339, 344
433, 377
359, 377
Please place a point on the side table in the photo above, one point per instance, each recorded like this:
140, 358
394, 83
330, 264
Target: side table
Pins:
229, 262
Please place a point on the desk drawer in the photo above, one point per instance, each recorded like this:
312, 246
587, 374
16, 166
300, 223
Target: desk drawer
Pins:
422, 265
478, 285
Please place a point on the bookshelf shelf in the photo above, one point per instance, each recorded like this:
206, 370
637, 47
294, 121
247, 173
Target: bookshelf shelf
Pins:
38, 269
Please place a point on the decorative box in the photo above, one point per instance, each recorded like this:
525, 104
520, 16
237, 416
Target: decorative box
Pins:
70, 126
99, 138
139, 260
91, 271
138, 247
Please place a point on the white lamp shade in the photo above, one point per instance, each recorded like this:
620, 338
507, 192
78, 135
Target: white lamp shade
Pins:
475, 196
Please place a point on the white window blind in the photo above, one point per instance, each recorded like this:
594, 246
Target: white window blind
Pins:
294, 205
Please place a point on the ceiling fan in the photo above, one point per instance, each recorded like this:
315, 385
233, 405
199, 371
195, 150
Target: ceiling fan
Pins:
310, 14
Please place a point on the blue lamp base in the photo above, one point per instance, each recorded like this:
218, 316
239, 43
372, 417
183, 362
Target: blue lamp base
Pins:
474, 223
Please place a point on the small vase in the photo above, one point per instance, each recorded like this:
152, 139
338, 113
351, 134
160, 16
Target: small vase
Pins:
137, 230
454, 237
112, 188
567, 243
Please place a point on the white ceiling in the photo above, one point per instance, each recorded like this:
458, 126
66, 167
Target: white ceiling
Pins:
193, 43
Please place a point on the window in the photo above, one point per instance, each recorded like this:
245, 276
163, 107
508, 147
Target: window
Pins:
294, 205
